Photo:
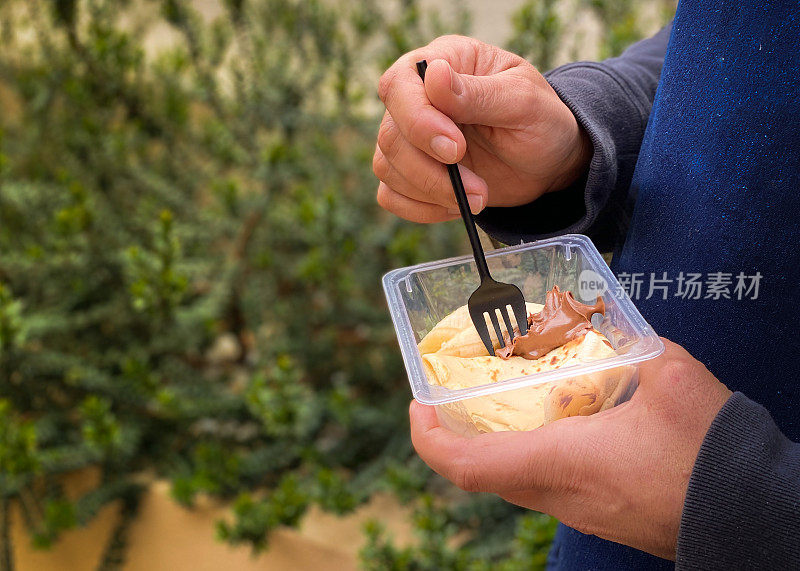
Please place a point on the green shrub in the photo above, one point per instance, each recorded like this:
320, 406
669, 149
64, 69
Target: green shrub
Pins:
157, 205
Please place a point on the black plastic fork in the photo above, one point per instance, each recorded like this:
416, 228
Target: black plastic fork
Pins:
491, 296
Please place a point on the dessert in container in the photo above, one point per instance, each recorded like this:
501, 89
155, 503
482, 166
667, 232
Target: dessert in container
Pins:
421, 296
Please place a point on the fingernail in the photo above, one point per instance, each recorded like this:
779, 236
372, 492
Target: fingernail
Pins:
445, 147
475, 203
455, 83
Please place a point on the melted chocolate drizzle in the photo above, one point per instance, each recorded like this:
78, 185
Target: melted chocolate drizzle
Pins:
562, 319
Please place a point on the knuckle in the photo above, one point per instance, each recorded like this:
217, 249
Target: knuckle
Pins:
385, 84
380, 165
430, 184
484, 97
453, 40
388, 136
424, 215
446, 38
465, 475
676, 371
383, 198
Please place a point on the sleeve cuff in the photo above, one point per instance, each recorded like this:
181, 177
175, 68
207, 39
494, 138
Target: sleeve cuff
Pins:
742, 508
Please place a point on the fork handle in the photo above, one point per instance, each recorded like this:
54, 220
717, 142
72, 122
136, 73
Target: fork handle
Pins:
463, 204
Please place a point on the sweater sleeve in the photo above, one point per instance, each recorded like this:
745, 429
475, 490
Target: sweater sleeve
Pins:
742, 508
611, 101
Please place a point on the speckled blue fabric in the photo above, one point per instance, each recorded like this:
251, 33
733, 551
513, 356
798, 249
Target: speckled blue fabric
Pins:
716, 188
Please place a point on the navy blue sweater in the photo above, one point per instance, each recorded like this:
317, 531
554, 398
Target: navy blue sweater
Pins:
696, 170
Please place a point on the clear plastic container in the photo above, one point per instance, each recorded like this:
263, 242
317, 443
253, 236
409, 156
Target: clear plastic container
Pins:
420, 296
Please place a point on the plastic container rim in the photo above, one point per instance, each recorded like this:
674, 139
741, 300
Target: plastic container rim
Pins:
648, 347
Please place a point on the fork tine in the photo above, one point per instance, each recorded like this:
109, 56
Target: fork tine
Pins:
507, 319
483, 331
521, 313
497, 330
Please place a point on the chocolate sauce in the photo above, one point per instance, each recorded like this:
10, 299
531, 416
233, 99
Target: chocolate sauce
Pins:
562, 319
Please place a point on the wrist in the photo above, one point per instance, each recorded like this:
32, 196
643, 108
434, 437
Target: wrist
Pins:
578, 159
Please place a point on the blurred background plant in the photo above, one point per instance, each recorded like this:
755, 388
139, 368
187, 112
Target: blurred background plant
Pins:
190, 262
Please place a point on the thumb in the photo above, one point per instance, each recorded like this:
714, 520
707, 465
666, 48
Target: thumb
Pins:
498, 462
502, 99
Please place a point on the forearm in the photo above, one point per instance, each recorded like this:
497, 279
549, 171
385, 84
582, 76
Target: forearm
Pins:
742, 508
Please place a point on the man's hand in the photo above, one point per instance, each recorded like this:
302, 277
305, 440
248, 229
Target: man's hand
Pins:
517, 139
621, 474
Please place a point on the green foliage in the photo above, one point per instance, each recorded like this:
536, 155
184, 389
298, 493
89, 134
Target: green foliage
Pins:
439, 546
11, 323
155, 284
212, 469
17, 448
536, 32
406, 480
539, 28
283, 403
284, 506
100, 429
191, 258
59, 515
332, 492
619, 24
531, 542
